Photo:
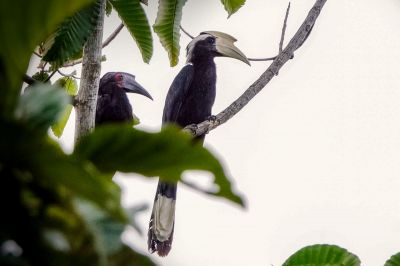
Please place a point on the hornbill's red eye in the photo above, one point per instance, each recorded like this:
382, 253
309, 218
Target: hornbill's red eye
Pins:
119, 77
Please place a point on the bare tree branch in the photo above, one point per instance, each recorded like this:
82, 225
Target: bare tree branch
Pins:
113, 35
295, 43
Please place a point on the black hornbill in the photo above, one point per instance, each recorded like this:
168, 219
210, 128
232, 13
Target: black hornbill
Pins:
112, 102
189, 101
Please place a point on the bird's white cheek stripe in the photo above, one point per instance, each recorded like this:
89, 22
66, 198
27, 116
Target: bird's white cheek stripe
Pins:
164, 214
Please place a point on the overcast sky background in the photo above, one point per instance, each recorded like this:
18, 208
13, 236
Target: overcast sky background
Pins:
316, 153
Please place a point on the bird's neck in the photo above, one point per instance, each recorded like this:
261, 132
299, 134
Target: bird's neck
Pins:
205, 66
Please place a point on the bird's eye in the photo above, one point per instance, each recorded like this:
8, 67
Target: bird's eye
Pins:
211, 40
119, 77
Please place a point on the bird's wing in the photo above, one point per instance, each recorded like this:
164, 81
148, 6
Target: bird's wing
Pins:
177, 93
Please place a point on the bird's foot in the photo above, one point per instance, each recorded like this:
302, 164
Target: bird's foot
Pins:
212, 118
193, 128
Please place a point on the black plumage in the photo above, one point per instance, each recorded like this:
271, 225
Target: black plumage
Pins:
112, 102
189, 101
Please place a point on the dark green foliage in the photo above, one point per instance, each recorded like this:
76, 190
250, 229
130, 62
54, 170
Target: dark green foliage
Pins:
322, 255
394, 260
25, 28
72, 34
41, 76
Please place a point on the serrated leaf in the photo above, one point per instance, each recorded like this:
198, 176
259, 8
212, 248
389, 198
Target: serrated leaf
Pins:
133, 16
167, 24
166, 154
41, 106
394, 260
72, 34
231, 6
32, 21
322, 255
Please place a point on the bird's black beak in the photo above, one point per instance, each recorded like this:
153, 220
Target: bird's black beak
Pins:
224, 44
132, 86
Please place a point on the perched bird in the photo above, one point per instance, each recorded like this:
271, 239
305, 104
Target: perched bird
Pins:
189, 101
112, 102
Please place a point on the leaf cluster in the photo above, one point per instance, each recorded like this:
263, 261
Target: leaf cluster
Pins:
66, 43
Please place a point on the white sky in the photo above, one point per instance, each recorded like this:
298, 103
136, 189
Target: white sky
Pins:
317, 153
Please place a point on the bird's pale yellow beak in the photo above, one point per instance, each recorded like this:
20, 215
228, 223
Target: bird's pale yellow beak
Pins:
225, 46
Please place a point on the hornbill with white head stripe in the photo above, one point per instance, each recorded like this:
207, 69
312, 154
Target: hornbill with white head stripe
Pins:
189, 101
112, 102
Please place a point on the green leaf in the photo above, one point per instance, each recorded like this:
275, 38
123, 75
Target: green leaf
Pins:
58, 127
42, 105
68, 84
166, 154
41, 76
394, 260
31, 21
71, 87
231, 6
167, 24
132, 14
72, 34
322, 255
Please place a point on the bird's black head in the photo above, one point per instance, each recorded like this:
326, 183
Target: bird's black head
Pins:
210, 44
113, 82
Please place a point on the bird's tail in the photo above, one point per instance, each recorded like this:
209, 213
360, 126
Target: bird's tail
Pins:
161, 227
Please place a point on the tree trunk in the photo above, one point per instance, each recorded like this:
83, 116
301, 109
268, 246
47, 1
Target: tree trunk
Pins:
89, 85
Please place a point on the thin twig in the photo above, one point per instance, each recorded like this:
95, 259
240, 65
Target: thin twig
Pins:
295, 43
51, 75
196, 187
187, 33
72, 63
284, 29
260, 59
37, 54
72, 75
113, 35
